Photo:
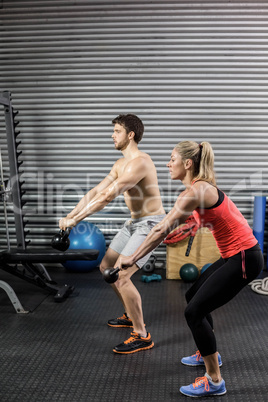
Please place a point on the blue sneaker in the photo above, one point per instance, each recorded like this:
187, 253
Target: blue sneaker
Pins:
197, 360
203, 386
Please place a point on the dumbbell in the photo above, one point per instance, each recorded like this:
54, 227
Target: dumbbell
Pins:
154, 277
61, 240
110, 275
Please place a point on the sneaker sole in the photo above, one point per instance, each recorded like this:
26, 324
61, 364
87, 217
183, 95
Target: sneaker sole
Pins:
134, 351
200, 396
120, 326
196, 365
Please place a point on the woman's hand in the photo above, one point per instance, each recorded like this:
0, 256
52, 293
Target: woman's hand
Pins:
125, 262
65, 223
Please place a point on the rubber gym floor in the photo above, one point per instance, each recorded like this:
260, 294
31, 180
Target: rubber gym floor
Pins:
63, 351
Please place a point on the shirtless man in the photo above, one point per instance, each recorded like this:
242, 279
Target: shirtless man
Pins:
135, 176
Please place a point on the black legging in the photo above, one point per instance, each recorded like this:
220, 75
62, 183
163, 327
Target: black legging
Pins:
214, 288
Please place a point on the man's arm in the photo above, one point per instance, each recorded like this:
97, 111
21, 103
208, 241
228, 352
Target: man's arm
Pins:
66, 222
91, 194
134, 172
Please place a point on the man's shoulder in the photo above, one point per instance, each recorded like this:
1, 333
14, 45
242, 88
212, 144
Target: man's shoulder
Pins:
144, 155
140, 163
119, 163
143, 158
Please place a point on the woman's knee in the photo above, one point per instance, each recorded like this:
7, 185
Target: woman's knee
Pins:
188, 296
187, 313
191, 315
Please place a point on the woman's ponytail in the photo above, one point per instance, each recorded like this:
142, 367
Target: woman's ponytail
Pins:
202, 156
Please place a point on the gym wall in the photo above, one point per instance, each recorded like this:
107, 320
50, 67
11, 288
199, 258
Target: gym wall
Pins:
192, 70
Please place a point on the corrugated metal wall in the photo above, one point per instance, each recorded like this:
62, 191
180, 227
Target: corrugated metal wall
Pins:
189, 69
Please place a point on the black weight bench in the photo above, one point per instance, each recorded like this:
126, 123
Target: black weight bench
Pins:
28, 265
17, 256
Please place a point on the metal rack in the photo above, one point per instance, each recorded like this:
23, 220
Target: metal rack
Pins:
23, 262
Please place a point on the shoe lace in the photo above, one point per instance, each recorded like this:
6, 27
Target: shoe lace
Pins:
198, 355
124, 317
133, 337
201, 380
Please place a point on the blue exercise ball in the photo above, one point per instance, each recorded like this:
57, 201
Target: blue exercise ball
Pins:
189, 272
85, 236
205, 267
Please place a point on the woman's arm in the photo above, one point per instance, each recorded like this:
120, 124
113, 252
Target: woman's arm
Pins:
187, 201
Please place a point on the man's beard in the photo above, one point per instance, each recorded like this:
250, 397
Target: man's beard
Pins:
121, 146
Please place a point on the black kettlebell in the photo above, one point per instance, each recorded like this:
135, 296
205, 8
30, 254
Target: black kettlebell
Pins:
61, 240
110, 275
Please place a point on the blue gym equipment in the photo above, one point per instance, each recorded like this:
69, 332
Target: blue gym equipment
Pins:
150, 278
204, 268
259, 219
86, 236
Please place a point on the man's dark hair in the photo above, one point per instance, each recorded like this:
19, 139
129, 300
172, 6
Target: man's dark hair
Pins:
131, 122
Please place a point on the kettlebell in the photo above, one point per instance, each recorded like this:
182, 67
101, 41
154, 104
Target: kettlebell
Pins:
61, 240
149, 266
110, 275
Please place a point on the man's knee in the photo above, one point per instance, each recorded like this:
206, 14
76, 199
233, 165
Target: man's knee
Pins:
108, 260
122, 280
104, 264
125, 276
101, 268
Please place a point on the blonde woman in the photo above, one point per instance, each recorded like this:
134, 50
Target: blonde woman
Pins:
241, 257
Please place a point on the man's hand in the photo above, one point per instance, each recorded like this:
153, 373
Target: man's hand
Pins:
65, 223
124, 262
